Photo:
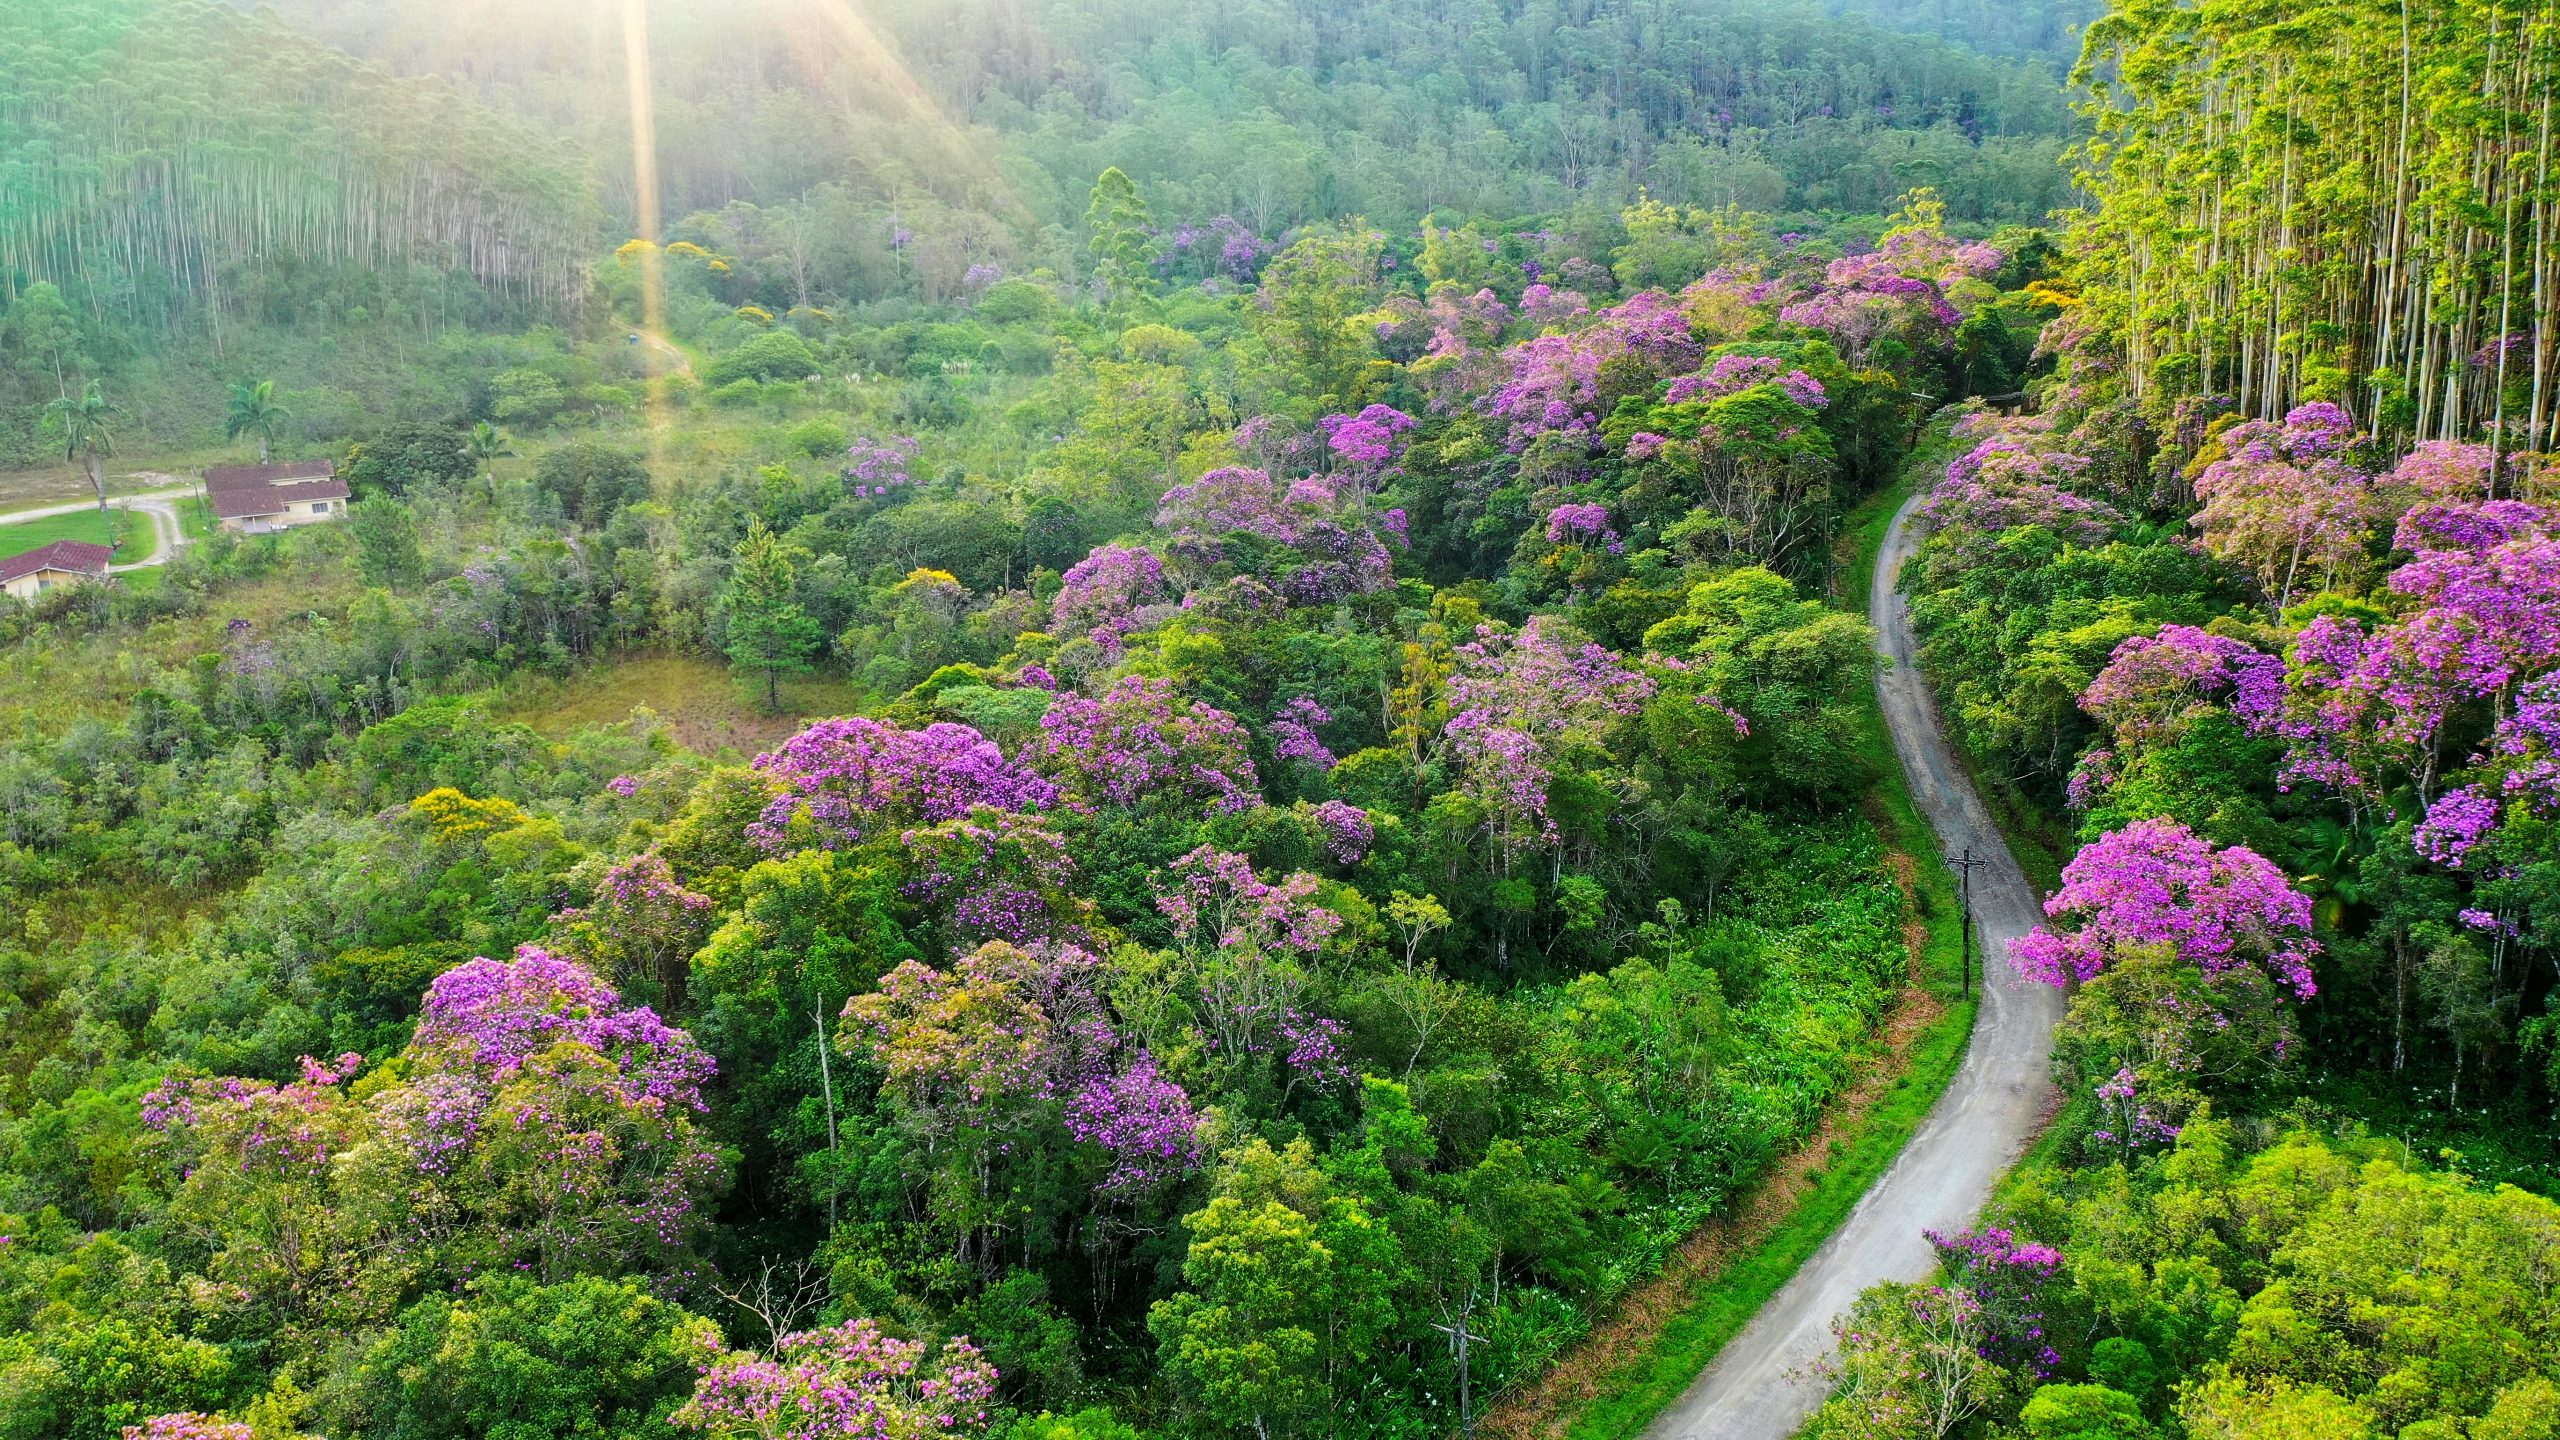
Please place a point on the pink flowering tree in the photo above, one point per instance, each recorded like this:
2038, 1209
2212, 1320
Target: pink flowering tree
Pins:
2517, 783
189, 1425
2154, 683
2155, 882
842, 782
846, 1382
1140, 746
2287, 503
2372, 706
2007, 482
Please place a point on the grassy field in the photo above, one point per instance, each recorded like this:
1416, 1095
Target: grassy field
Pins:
139, 536
707, 707
1738, 1262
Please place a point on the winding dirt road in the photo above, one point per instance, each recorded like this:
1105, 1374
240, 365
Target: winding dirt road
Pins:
159, 506
1758, 1388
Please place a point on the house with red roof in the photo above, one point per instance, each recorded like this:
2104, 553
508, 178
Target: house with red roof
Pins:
263, 499
30, 573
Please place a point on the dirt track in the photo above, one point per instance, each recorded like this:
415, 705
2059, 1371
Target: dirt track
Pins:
1757, 1389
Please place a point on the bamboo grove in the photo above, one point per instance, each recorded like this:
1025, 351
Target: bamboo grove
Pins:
2351, 202
152, 151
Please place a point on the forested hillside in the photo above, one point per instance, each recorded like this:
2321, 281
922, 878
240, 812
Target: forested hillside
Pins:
1155, 730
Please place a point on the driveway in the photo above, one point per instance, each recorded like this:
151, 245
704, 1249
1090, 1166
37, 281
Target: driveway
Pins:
159, 506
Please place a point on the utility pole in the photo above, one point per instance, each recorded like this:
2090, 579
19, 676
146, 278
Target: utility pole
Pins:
1459, 1336
1964, 866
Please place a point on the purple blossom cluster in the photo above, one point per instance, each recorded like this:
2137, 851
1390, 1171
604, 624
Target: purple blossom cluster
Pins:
1003, 877
189, 1425
1576, 523
1143, 1121
493, 1016
2286, 500
847, 1382
1367, 442
1733, 374
845, 781
1331, 547
2521, 761
1139, 743
1347, 829
1104, 594
1225, 247
873, 467
2006, 482
1553, 381
2007, 1277
1517, 699
2366, 704
1293, 734
1543, 304
2123, 1119
2155, 882
2152, 683
1216, 901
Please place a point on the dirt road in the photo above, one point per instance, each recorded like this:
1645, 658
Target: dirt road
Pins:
159, 506
1758, 1389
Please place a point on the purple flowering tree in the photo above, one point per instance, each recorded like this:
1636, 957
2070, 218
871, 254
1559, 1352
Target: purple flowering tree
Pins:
2286, 502
847, 1382
1347, 829
2154, 683
1368, 443
1321, 542
2155, 882
643, 925
1519, 705
2008, 1277
995, 876
1139, 746
1143, 1122
842, 782
1247, 945
535, 1123
1103, 595
1552, 383
189, 1425
1293, 734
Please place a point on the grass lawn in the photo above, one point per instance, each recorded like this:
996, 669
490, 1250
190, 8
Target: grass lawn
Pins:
139, 536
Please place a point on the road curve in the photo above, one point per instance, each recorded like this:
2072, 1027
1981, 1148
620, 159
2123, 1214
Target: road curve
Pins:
1758, 1388
160, 507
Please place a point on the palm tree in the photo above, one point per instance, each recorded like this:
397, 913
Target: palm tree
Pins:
254, 411
487, 446
85, 437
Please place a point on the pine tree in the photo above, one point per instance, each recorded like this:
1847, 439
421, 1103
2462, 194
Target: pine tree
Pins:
767, 627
